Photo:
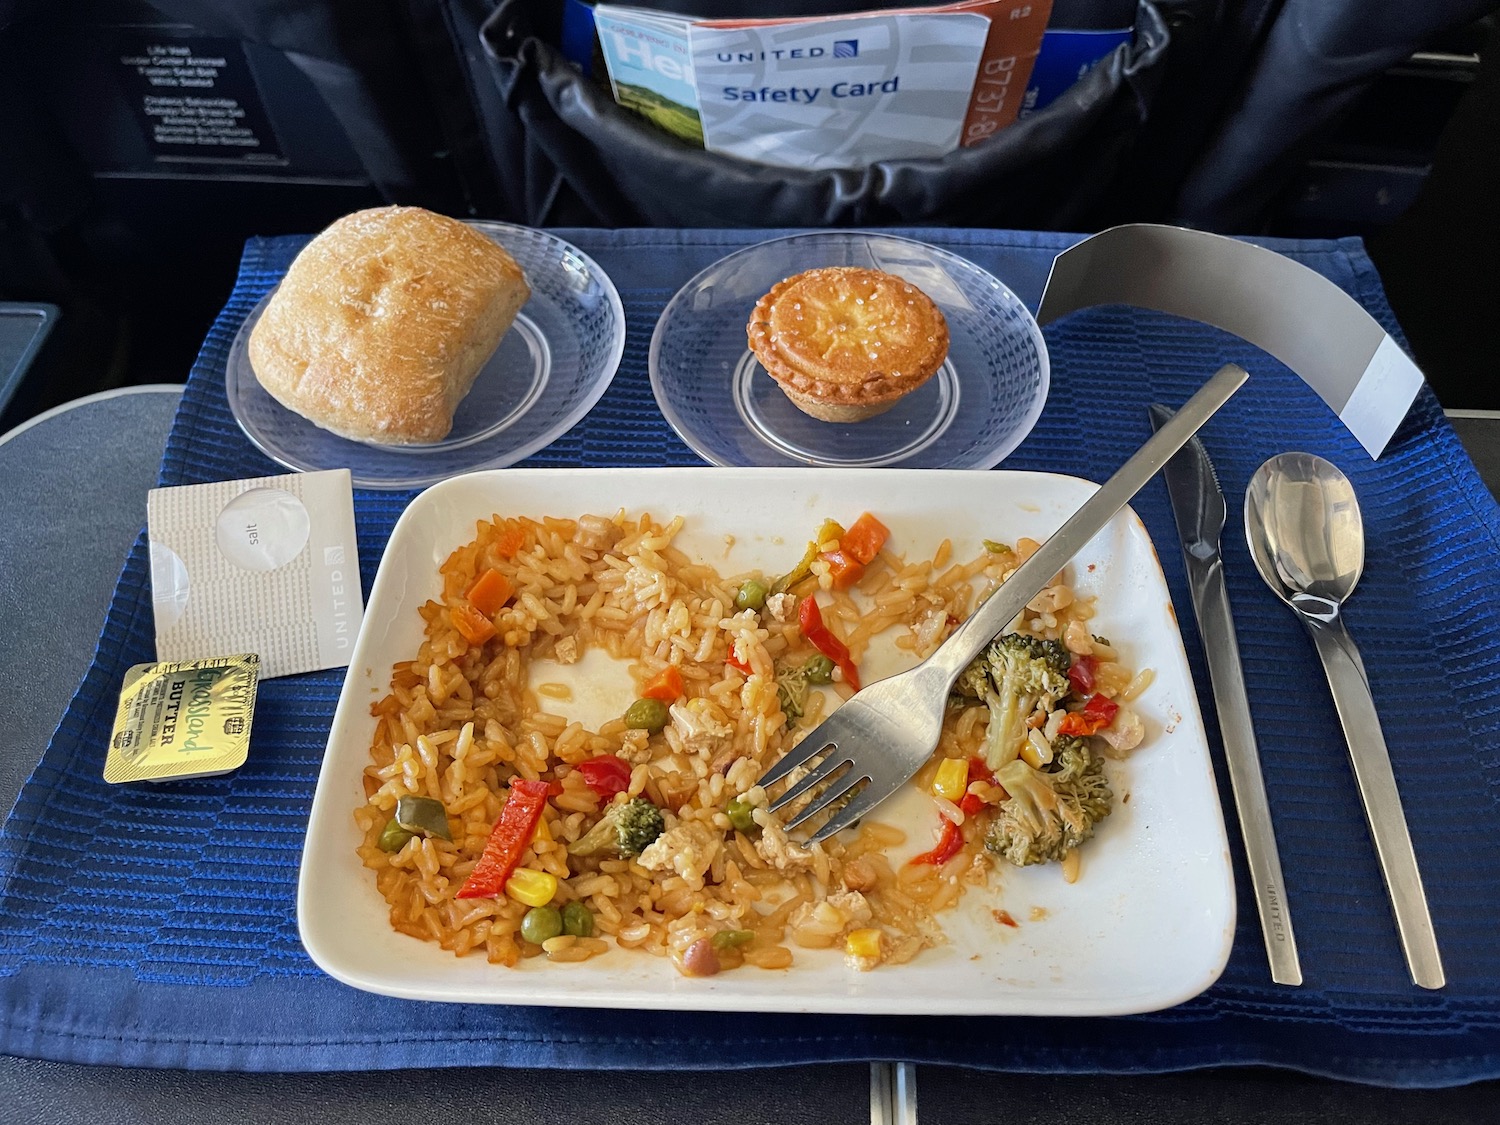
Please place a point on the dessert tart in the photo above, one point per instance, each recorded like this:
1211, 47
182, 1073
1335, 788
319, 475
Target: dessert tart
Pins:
845, 343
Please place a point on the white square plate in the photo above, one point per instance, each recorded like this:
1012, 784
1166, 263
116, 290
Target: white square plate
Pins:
1147, 925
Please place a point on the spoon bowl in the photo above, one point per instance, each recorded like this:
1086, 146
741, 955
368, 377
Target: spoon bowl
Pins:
1305, 531
1306, 535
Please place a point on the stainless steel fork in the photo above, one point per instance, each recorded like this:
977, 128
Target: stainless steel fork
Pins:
885, 732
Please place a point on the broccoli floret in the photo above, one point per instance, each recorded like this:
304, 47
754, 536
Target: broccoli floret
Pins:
1014, 675
1051, 810
625, 829
973, 682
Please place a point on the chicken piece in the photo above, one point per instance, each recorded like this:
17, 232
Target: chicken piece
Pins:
860, 875
817, 925
596, 533
776, 847
852, 905
1077, 639
1054, 599
782, 607
701, 726
688, 848
635, 746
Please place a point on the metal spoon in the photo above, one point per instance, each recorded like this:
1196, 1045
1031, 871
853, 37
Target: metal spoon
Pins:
1306, 535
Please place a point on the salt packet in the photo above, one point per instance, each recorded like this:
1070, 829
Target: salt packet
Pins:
267, 566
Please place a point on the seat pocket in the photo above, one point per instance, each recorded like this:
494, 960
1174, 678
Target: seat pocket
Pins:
567, 155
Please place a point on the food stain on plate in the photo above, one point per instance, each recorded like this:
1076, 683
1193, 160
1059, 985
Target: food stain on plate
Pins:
594, 689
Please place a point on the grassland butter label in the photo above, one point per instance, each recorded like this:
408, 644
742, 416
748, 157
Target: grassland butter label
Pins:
183, 719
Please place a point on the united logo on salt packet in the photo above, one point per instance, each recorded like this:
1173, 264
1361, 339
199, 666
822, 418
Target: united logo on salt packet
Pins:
183, 719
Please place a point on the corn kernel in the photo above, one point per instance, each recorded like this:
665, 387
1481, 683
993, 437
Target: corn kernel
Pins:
951, 779
542, 832
534, 888
1036, 751
863, 943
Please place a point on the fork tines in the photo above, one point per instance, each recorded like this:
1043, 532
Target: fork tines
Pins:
800, 754
842, 779
832, 777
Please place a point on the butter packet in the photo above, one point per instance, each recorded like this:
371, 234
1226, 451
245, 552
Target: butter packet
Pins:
183, 719
268, 565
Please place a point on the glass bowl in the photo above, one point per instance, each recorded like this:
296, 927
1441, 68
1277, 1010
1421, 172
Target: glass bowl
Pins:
970, 415
547, 372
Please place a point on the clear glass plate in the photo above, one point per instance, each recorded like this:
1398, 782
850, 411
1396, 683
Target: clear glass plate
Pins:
970, 415
548, 371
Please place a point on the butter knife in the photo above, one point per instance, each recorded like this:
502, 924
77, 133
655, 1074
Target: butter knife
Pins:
1198, 506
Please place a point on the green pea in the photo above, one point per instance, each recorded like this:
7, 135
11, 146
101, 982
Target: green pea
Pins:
819, 670
731, 939
646, 714
578, 920
740, 815
542, 923
751, 594
394, 837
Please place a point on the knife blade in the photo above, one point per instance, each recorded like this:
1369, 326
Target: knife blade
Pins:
1199, 509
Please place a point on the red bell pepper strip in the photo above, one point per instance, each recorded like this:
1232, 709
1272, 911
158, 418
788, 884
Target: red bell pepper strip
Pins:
606, 775
1097, 714
1101, 709
734, 661
949, 844
1081, 674
978, 771
508, 839
810, 618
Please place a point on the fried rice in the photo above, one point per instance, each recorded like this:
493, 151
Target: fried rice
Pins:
462, 720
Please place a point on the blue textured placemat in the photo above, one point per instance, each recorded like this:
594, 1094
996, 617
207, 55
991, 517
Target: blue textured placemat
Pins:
156, 925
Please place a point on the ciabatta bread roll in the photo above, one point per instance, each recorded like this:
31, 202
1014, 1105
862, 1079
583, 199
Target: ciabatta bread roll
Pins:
382, 323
